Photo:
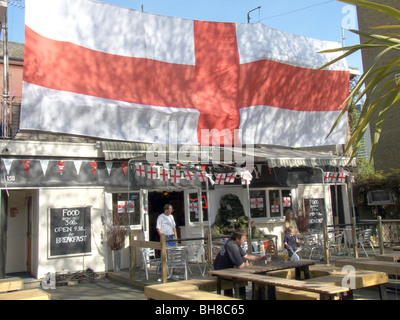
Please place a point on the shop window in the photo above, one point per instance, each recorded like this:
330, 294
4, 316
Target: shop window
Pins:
258, 204
194, 207
126, 212
274, 203
286, 200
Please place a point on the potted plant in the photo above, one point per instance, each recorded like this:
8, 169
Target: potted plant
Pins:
116, 235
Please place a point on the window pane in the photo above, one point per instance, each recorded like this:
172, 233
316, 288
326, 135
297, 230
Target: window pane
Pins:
257, 204
194, 207
126, 212
286, 200
274, 203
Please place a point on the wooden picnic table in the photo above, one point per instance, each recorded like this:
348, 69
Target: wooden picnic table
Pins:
235, 274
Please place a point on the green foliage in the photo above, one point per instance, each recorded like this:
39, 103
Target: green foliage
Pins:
368, 179
230, 216
382, 89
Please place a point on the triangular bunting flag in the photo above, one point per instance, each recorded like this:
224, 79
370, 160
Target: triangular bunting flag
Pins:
26, 164
124, 165
109, 166
61, 164
44, 164
7, 164
93, 165
77, 164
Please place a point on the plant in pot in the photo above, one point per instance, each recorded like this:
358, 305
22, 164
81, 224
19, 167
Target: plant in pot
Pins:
116, 235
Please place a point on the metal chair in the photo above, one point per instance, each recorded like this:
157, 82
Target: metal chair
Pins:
149, 259
335, 244
195, 256
177, 259
366, 240
312, 244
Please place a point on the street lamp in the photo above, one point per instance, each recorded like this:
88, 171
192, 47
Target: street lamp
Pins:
248, 13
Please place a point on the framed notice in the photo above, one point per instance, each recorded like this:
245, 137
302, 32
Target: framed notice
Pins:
315, 209
69, 231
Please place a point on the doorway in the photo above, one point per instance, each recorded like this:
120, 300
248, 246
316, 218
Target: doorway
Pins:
157, 200
337, 203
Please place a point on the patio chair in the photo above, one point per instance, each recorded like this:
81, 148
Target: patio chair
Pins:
311, 245
366, 240
177, 259
149, 259
195, 256
335, 244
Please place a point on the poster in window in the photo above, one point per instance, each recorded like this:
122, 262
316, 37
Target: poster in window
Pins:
70, 231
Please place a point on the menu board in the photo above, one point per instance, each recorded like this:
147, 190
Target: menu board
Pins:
315, 208
70, 231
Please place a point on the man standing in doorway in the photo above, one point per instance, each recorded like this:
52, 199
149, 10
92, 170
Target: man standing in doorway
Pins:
166, 223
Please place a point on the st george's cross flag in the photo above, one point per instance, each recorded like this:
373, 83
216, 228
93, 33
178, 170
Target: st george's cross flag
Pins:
99, 70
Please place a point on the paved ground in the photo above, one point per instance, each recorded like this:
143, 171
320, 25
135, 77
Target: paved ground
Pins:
103, 289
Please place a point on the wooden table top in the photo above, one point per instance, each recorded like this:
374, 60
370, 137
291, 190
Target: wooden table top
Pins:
262, 268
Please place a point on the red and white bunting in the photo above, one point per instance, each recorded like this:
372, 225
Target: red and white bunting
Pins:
202, 176
175, 176
26, 164
342, 177
124, 166
61, 164
140, 170
256, 203
230, 177
220, 179
7, 164
189, 175
77, 165
93, 165
109, 166
152, 172
164, 175
44, 164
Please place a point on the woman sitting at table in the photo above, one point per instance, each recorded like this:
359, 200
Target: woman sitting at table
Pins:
232, 254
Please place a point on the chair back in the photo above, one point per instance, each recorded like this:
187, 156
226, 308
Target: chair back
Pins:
367, 234
176, 257
194, 253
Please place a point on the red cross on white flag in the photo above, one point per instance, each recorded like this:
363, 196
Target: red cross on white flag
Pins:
175, 176
208, 63
189, 175
342, 177
230, 177
256, 203
202, 176
286, 201
275, 208
220, 178
140, 171
152, 172
164, 175
193, 207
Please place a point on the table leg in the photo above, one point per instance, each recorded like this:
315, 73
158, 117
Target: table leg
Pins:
235, 288
306, 271
219, 280
271, 292
382, 292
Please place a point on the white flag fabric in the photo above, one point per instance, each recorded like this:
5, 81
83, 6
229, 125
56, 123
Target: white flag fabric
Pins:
99, 70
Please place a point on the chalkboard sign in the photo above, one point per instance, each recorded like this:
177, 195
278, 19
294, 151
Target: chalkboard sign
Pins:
315, 208
70, 231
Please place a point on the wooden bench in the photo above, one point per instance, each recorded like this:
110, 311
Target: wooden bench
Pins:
11, 284
392, 268
29, 294
389, 257
196, 289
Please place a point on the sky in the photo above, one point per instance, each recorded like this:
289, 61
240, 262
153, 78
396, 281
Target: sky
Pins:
320, 19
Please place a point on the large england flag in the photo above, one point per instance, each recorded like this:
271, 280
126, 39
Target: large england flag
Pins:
99, 70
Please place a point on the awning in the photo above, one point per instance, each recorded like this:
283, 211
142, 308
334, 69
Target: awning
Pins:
274, 156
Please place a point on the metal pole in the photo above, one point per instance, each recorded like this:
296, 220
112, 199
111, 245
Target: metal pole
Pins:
6, 96
248, 13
